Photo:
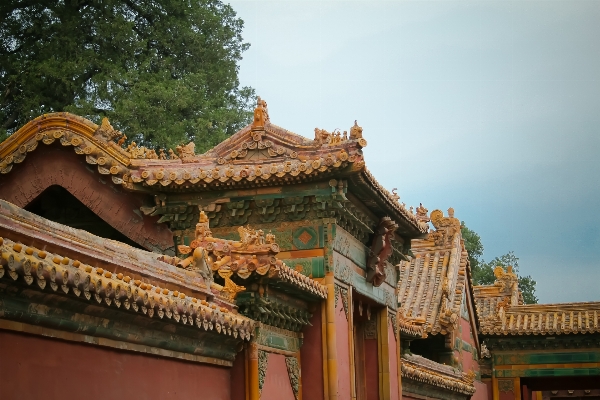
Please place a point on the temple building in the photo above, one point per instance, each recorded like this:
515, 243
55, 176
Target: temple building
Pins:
436, 316
537, 351
272, 266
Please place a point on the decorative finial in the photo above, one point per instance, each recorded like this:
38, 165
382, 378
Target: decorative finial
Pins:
356, 134
451, 212
203, 218
422, 213
261, 115
106, 131
187, 151
356, 131
395, 195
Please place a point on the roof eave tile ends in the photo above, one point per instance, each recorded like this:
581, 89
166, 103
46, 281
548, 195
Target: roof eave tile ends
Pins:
544, 319
67, 276
423, 374
391, 202
431, 285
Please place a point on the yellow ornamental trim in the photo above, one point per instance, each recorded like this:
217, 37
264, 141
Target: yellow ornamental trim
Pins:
93, 141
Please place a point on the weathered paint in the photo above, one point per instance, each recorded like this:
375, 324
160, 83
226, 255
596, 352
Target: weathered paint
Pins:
65, 370
465, 348
277, 382
96, 322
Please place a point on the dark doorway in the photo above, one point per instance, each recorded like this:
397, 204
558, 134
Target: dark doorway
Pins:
58, 205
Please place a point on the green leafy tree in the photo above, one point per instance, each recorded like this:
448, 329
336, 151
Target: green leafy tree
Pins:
483, 272
164, 72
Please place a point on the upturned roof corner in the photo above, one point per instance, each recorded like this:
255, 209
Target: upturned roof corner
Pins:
259, 154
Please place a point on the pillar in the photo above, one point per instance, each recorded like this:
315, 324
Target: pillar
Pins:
253, 391
517, 388
384, 354
332, 375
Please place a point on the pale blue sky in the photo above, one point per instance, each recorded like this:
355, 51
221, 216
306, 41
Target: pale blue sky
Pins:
490, 107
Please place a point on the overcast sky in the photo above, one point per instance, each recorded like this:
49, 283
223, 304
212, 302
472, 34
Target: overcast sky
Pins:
489, 107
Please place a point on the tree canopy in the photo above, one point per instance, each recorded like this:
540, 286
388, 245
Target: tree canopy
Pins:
483, 272
164, 72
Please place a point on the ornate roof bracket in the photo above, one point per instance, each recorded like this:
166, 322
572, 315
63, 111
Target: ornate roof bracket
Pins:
446, 228
252, 257
381, 249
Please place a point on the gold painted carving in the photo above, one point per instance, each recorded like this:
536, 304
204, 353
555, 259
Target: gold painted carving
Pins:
422, 213
254, 253
381, 249
107, 132
446, 228
294, 374
186, 152
371, 329
261, 115
506, 385
263, 358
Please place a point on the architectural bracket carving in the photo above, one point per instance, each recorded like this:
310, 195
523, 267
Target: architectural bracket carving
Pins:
381, 249
294, 374
263, 358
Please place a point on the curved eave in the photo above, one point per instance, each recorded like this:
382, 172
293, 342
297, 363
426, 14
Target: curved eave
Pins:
290, 281
69, 130
112, 290
366, 188
423, 374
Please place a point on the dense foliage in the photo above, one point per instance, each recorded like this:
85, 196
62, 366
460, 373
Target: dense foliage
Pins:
165, 71
483, 272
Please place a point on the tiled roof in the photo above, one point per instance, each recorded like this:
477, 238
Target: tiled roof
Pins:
253, 255
425, 371
50, 271
432, 283
501, 311
256, 155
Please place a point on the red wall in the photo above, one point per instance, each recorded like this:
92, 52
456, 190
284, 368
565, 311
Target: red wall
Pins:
277, 384
468, 363
372, 369
483, 391
58, 165
238, 377
311, 360
34, 367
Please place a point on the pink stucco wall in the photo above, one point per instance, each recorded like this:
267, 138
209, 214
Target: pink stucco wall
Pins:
343, 352
277, 384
